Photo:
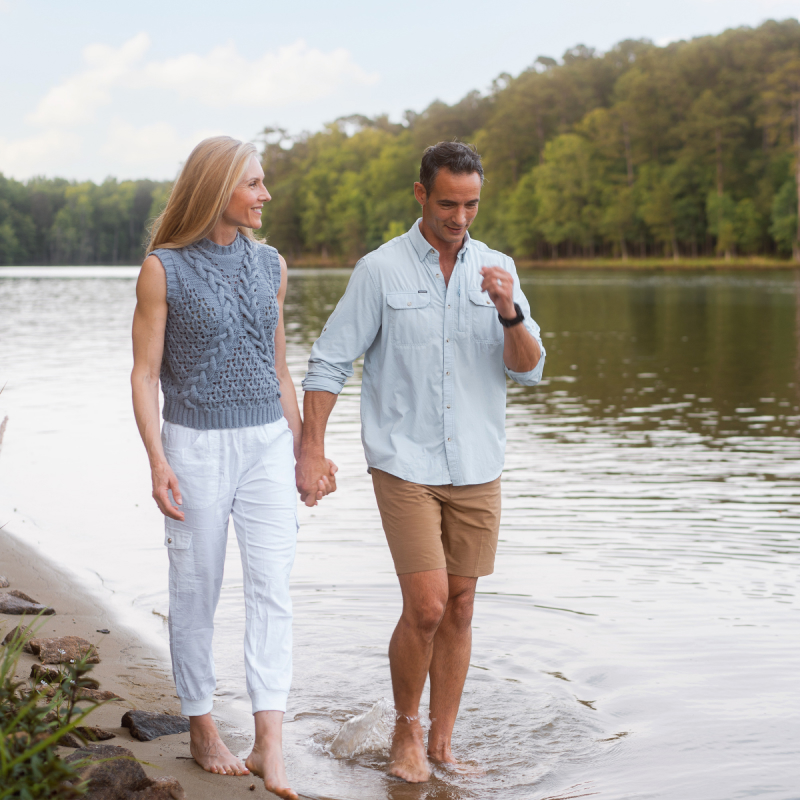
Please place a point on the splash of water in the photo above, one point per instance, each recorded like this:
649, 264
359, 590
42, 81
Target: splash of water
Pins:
365, 733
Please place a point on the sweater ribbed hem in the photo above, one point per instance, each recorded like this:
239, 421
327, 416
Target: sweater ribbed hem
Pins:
212, 419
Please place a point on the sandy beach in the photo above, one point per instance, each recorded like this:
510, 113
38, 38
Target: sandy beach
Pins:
128, 666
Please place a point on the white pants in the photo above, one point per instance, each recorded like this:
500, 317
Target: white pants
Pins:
249, 473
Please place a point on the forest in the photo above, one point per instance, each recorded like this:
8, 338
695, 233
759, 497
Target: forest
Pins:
687, 150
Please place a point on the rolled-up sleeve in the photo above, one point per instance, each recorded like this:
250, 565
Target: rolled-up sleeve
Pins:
532, 377
350, 330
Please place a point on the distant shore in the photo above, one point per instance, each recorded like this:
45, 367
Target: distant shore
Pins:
129, 666
639, 264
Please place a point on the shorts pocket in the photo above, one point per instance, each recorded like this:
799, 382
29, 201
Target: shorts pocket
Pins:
410, 318
485, 327
195, 459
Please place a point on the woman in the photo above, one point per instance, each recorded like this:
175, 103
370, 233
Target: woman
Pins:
209, 324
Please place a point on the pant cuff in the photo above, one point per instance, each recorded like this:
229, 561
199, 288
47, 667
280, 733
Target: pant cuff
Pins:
196, 708
269, 700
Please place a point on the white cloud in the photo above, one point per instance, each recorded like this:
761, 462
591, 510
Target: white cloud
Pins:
74, 101
43, 153
295, 73
71, 125
156, 149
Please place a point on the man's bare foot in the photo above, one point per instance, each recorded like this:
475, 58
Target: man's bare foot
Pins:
209, 751
267, 763
407, 759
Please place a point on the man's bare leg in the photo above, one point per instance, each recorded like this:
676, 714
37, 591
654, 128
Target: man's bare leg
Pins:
452, 646
209, 751
424, 600
266, 760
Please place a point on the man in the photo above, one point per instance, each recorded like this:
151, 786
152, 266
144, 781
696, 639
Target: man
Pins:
442, 321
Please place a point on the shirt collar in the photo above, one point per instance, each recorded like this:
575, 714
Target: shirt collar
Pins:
422, 246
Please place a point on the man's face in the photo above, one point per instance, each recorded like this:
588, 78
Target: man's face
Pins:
451, 206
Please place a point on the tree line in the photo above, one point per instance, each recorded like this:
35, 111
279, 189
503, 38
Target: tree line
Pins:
55, 221
685, 150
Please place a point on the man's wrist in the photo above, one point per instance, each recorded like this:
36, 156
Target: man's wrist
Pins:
511, 321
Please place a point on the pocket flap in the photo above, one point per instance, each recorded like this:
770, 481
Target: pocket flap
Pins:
480, 298
176, 535
401, 300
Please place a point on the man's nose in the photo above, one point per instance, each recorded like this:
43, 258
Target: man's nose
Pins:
461, 216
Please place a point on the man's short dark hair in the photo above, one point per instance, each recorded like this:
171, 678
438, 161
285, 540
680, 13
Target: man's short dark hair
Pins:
459, 158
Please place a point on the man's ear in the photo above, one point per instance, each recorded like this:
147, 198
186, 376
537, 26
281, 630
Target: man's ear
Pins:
420, 193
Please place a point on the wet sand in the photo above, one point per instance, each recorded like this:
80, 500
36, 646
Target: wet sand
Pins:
129, 666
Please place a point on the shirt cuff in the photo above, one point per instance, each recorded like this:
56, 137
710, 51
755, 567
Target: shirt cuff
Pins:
319, 383
530, 378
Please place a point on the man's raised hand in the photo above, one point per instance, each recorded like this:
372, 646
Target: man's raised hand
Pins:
500, 287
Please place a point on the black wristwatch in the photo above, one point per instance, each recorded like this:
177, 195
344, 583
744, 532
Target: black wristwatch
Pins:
510, 323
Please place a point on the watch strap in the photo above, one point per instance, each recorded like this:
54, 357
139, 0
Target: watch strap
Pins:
510, 323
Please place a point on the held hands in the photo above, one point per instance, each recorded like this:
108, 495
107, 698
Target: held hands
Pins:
500, 287
315, 477
164, 479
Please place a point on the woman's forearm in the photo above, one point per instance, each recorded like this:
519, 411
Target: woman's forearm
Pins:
291, 410
145, 409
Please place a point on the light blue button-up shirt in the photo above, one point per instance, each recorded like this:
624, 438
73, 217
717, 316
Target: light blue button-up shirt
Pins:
433, 394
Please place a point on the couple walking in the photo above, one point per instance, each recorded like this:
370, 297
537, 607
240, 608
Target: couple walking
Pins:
441, 321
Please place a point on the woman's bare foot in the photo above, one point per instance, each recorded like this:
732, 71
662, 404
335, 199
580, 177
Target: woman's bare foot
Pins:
266, 760
209, 751
268, 764
408, 760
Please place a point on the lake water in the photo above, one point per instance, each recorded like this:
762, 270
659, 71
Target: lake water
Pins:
640, 636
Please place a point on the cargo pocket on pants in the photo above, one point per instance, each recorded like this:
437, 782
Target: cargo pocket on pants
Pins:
176, 535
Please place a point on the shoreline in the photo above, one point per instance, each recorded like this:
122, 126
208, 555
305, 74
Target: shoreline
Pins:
654, 263
129, 666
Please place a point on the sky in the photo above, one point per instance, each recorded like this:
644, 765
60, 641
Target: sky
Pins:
91, 90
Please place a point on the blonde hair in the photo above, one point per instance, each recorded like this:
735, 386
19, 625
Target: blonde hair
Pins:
202, 192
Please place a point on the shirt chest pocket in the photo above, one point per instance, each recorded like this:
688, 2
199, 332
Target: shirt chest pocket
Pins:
411, 322
484, 325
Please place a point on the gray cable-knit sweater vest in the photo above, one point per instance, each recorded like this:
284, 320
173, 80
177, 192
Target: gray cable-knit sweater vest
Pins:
218, 369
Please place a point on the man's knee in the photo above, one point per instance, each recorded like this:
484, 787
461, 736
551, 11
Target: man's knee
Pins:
460, 608
426, 617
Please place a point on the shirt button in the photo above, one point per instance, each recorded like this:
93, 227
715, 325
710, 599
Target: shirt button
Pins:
448, 305
447, 340
448, 406
409, 303
448, 438
487, 303
447, 373
169, 541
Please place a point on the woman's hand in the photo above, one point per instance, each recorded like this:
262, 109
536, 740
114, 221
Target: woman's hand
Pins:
164, 481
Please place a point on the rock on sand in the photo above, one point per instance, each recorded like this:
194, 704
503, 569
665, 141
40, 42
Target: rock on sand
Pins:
147, 725
113, 772
15, 602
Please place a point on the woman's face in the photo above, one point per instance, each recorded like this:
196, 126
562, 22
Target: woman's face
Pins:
244, 208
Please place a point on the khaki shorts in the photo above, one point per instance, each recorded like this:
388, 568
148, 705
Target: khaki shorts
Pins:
439, 527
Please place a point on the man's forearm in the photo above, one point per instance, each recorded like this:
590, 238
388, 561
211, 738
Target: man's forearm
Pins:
317, 407
521, 352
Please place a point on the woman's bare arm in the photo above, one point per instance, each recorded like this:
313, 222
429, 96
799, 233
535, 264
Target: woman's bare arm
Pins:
149, 323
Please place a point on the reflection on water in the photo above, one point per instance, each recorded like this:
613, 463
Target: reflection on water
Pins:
639, 637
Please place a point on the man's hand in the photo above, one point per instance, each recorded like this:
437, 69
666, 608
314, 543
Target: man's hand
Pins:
165, 479
315, 477
500, 287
